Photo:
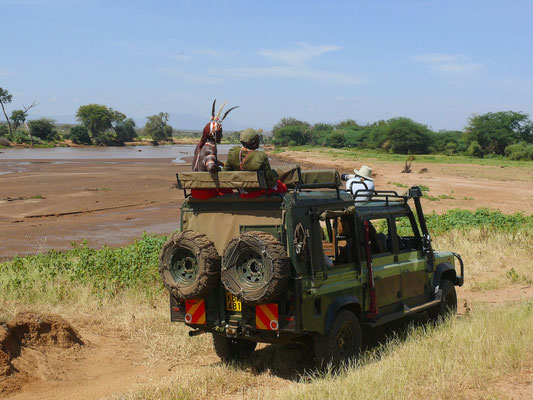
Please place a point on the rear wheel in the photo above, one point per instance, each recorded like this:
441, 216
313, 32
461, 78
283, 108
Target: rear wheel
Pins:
448, 301
342, 343
232, 349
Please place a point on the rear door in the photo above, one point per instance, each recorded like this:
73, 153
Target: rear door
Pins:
413, 265
387, 273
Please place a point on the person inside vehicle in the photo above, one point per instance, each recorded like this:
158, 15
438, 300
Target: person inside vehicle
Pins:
362, 180
248, 158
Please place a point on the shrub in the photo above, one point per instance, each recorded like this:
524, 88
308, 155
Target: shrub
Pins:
475, 150
336, 139
4, 142
43, 128
20, 136
79, 135
519, 151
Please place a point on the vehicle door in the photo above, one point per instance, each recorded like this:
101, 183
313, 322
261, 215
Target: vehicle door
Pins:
413, 264
387, 273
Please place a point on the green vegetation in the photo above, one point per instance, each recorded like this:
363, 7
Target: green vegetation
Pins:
110, 270
106, 271
79, 135
493, 134
43, 129
158, 127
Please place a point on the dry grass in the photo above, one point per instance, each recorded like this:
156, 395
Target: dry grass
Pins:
493, 259
466, 357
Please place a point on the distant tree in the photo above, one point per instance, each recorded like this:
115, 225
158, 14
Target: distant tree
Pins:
292, 132
96, 117
402, 136
157, 127
124, 130
494, 131
18, 117
348, 124
79, 134
336, 139
6, 98
289, 121
43, 128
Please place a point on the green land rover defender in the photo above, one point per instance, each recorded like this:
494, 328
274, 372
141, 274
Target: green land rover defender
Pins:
312, 264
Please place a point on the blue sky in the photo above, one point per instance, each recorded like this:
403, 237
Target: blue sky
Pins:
437, 62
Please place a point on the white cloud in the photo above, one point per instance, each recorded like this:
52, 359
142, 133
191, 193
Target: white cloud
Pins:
300, 55
290, 72
453, 63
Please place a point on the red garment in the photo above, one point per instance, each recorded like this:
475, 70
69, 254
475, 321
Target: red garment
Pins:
204, 194
279, 188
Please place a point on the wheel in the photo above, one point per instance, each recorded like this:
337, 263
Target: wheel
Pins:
230, 349
255, 268
448, 302
342, 343
189, 265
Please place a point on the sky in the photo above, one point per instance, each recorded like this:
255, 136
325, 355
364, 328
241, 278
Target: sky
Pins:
437, 62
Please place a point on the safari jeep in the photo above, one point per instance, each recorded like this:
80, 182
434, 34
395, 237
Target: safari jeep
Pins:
311, 264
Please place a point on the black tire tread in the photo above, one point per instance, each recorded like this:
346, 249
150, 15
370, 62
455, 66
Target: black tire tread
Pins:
326, 351
280, 269
208, 264
442, 310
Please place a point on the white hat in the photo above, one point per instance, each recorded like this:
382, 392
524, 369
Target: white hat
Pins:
364, 172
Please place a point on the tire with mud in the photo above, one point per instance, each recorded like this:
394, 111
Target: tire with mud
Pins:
448, 302
230, 349
342, 343
255, 267
189, 265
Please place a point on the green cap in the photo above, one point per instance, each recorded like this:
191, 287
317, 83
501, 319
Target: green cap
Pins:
249, 136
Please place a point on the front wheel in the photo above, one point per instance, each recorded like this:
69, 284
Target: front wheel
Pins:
448, 302
342, 343
230, 349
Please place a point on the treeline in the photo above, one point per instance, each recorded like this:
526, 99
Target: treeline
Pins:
505, 133
99, 125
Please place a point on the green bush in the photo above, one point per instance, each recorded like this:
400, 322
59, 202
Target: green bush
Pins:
519, 151
336, 139
107, 271
79, 135
475, 150
21, 136
43, 128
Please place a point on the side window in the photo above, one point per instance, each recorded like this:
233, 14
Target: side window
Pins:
408, 236
380, 237
338, 239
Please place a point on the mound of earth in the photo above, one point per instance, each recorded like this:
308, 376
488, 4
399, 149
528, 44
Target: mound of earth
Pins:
30, 330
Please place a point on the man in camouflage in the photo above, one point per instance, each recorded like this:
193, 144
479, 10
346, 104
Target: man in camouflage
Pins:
248, 158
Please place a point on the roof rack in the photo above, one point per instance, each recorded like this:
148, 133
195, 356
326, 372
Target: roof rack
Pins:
386, 195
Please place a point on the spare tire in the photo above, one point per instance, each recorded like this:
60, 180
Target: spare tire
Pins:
189, 265
255, 267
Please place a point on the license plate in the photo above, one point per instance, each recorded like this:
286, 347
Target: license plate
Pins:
233, 303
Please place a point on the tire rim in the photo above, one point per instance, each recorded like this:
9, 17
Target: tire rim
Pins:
251, 269
184, 267
345, 341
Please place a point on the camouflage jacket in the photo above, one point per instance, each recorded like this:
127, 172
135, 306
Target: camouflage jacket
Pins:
242, 159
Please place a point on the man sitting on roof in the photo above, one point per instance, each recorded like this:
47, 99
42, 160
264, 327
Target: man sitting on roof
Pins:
362, 180
247, 158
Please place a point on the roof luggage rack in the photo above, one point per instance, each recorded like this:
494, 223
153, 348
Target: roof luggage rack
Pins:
385, 195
